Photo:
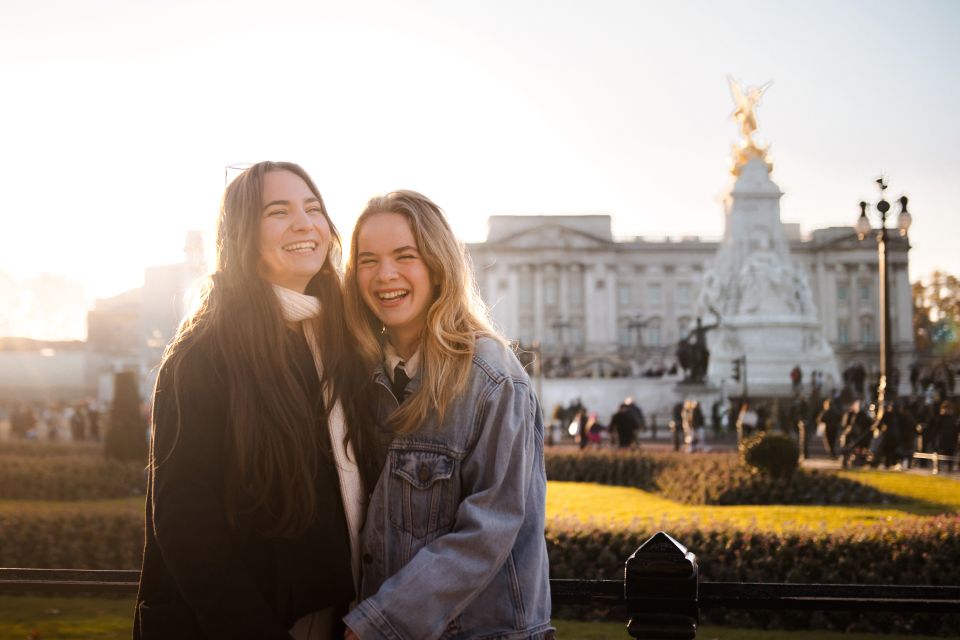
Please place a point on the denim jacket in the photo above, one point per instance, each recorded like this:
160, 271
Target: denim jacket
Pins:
453, 545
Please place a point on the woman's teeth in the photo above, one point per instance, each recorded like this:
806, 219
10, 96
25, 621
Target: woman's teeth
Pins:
392, 295
300, 246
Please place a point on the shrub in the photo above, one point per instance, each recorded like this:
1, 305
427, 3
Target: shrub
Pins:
707, 478
126, 427
720, 480
76, 476
921, 552
775, 454
72, 539
620, 469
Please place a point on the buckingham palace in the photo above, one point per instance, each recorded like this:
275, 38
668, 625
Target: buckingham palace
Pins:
599, 306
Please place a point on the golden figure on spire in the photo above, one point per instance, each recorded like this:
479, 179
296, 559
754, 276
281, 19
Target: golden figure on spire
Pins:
744, 113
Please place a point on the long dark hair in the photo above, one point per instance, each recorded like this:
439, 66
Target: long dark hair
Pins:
274, 428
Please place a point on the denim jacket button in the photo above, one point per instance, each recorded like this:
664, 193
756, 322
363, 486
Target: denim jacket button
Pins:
424, 473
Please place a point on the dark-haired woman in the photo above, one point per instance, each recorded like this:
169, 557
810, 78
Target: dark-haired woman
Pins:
255, 497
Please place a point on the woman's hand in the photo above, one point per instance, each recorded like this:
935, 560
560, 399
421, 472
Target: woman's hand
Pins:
350, 635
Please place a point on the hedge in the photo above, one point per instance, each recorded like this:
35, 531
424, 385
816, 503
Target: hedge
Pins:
708, 478
922, 552
916, 552
67, 477
72, 539
613, 468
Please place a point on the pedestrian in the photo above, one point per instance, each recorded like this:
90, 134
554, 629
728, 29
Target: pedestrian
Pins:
855, 434
908, 435
946, 430
624, 424
676, 426
830, 419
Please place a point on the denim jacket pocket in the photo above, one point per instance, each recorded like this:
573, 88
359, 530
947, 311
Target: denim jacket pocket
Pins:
423, 489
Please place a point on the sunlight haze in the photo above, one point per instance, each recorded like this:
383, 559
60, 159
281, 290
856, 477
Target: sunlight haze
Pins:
118, 118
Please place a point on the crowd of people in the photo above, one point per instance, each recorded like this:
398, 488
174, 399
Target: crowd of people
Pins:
852, 428
54, 421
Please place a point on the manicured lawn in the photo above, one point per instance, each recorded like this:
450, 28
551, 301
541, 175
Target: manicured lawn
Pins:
622, 506
33, 618
37, 618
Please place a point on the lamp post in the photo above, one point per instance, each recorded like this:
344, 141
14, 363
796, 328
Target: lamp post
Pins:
864, 227
637, 323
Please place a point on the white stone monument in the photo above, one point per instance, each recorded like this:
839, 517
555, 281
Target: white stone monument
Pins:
761, 296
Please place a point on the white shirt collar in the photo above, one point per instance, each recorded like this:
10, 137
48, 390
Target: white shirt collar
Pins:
391, 359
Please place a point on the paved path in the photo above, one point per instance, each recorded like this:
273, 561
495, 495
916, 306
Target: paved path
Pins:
727, 443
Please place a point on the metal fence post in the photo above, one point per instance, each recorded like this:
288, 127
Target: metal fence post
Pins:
661, 586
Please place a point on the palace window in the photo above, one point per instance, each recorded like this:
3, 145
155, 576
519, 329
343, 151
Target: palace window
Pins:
624, 295
654, 294
843, 292
526, 288
653, 336
623, 333
550, 293
576, 288
843, 331
866, 330
683, 293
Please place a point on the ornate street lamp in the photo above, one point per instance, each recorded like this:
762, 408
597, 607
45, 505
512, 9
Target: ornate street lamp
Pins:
636, 324
863, 228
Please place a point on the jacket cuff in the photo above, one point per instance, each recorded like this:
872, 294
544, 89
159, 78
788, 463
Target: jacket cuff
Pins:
369, 624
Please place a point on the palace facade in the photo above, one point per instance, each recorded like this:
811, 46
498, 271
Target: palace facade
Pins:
599, 306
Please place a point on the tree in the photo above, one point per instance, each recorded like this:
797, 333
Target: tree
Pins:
127, 428
936, 315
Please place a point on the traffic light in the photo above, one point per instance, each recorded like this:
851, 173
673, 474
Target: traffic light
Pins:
736, 369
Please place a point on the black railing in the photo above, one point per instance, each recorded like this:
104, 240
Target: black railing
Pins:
661, 591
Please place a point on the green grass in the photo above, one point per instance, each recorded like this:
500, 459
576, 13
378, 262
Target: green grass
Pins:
571, 630
924, 496
38, 618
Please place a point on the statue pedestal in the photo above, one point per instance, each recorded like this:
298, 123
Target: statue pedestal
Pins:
703, 392
763, 299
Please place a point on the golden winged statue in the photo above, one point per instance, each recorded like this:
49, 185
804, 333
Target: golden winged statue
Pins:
745, 104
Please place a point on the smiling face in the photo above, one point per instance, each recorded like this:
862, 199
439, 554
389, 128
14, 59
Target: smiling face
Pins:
392, 278
294, 232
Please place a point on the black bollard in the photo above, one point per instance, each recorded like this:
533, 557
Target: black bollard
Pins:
661, 588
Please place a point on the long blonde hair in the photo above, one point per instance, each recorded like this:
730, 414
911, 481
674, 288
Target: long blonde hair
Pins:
456, 317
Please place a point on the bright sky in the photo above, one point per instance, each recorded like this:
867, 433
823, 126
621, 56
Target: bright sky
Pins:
117, 117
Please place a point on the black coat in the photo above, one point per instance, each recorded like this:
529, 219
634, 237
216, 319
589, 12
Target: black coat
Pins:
202, 578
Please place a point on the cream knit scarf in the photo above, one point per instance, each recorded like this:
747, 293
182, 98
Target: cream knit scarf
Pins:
297, 308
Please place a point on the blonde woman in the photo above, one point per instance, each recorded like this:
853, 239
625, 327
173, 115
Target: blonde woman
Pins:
453, 542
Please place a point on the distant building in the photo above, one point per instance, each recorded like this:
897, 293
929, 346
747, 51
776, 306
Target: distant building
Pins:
43, 370
130, 331
604, 307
